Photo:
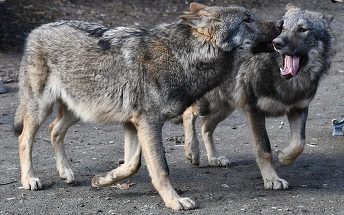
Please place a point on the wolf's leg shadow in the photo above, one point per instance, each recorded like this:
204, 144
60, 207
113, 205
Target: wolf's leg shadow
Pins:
57, 129
262, 149
150, 138
132, 159
191, 145
33, 118
297, 121
208, 124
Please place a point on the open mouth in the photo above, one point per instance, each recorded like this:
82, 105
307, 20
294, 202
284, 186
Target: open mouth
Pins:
291, 66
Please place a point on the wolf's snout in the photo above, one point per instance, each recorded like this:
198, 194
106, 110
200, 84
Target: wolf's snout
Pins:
278, 43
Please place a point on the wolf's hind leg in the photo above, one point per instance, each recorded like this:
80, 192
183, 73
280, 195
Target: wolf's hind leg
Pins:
262, 149
132, 160
57, 130
297, 121
209, 123
33, 118
191, 145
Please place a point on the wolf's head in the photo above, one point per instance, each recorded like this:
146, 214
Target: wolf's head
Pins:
224, 27
305, 36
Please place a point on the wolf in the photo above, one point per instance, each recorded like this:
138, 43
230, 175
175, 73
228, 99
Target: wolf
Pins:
136, 77
268, 85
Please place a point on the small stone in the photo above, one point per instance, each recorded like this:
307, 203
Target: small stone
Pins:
112, 212
111, 142
312, 144
224, 185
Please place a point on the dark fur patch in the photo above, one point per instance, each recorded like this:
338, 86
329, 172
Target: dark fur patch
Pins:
92, 29
18, 128
104, 44
97, 32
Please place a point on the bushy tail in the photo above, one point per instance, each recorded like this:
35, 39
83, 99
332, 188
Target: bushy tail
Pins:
18, 120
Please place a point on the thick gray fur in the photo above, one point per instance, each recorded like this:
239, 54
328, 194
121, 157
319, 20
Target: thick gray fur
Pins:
141, 77
257, 87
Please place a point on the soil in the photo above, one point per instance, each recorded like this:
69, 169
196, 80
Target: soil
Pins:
316, 178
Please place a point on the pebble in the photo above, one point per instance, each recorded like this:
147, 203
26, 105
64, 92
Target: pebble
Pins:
111, 212
224, 185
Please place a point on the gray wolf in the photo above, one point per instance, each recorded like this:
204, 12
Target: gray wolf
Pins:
268, 85
137, 77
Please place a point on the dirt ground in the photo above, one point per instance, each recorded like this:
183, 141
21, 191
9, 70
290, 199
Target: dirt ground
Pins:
316, 178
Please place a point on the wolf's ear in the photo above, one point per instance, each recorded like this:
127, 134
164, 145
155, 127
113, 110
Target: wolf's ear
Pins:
195, 20
195, 7
328, 18
290, 6
197, 17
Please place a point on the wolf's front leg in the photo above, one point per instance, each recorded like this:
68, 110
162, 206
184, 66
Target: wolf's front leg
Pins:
132, 160
149, 133
262, 149
209, 124
297, 121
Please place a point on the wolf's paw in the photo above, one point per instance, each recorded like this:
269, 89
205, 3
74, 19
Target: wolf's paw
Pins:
276, 184
67, 175
193, 157
182, 204
96, 181
219, 161
32, 184
102, 180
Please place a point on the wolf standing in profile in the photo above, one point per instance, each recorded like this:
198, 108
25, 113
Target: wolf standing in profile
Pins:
262, 89
136, 77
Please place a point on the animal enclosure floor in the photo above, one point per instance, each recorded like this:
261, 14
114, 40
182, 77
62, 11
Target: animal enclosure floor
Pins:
316, 178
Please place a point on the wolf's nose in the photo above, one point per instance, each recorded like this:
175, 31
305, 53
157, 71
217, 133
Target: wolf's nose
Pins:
278, 43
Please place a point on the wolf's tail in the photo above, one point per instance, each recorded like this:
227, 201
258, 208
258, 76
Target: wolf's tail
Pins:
18, 119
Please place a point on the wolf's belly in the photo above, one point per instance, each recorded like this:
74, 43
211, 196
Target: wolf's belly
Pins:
273, 107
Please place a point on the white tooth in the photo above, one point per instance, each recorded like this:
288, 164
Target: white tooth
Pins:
281, 70
275, 49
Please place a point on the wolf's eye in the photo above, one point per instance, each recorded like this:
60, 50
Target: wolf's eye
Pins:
279, 24
302, 29
247, 19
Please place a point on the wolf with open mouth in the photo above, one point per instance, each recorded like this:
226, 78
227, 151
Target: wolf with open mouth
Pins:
268, 85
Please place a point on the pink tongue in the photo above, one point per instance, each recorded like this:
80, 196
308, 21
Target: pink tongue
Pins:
291, 65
